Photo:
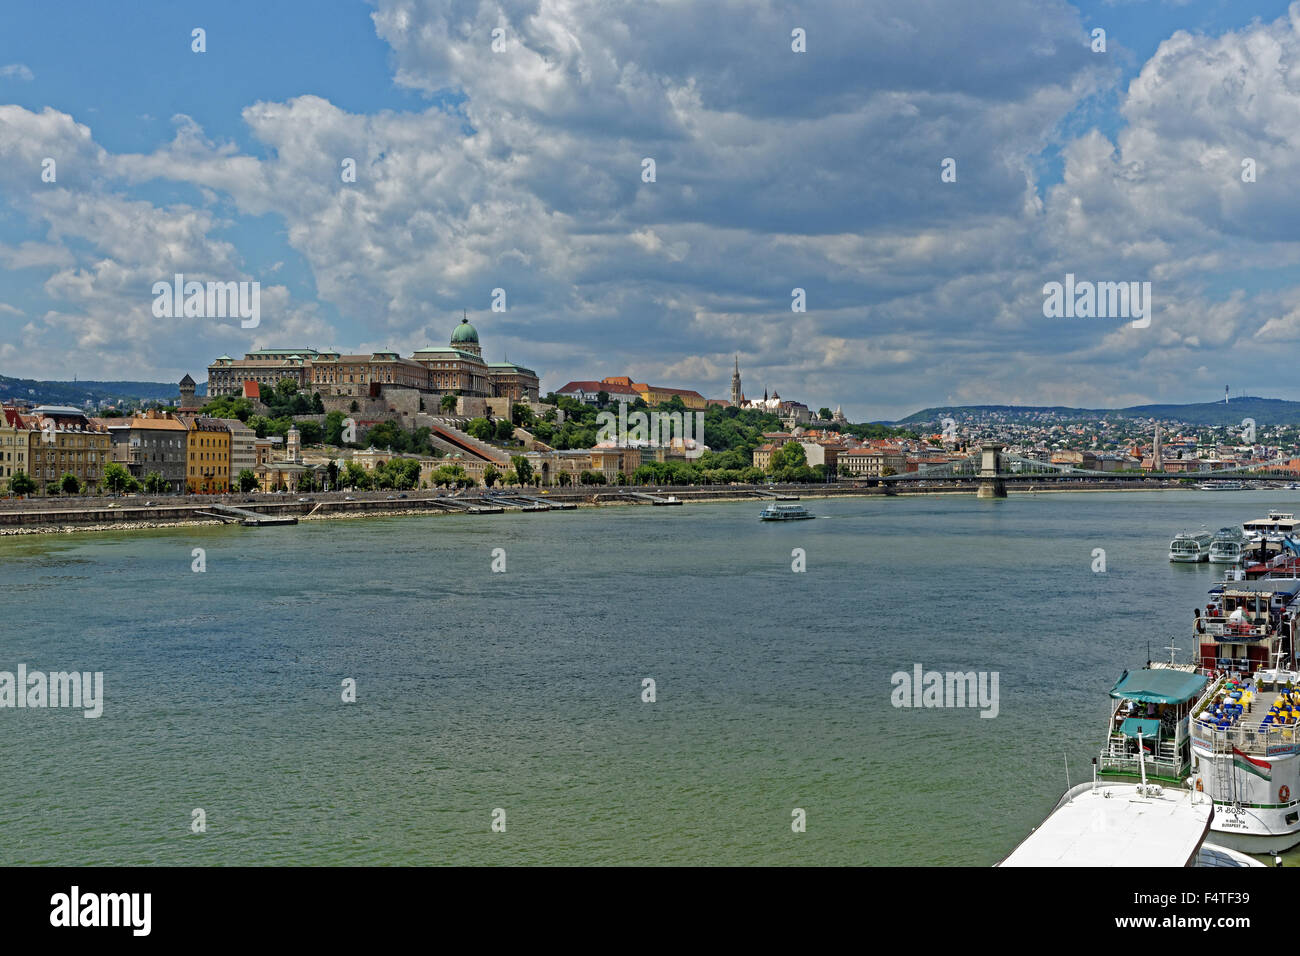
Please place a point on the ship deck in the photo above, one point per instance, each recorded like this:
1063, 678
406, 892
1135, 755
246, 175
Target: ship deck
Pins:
1257, 709
1118, 825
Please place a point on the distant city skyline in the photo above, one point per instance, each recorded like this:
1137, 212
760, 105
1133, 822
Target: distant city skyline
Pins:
915, 182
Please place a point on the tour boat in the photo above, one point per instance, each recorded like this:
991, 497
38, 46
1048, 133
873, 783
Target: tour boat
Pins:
1228, 546
1278, 525
1132, 825
1149, 734
1140, 808
1190, 547
784, 513
1245, 726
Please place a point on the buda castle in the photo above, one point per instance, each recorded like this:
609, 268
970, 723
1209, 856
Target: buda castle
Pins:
453, 369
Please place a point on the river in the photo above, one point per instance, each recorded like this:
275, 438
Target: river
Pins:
522, 690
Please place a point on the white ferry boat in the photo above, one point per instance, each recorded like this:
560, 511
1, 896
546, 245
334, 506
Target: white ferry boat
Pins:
1190, 547
1128, 825
1228, 546
1245, 726
1221, 486
1278, 525
785, 513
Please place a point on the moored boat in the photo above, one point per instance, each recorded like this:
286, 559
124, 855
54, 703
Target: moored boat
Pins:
1149, 734
1228, 546
1246, 724
1277, 526
1190, 547
1120, 824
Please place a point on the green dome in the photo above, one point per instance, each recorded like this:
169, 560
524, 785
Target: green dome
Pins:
464, 333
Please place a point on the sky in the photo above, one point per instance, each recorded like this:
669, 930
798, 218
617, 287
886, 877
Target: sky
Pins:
521, 168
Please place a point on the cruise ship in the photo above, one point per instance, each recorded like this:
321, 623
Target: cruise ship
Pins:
1245, 725
1278, 525
1190, 547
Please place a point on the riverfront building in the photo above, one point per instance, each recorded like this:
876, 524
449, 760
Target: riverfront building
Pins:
50, 442
152, 442
457, 368
15, 445
207, 464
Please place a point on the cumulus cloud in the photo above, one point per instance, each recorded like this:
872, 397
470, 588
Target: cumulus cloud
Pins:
774, 170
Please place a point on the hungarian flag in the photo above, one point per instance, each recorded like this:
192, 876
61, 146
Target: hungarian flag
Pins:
1260, 768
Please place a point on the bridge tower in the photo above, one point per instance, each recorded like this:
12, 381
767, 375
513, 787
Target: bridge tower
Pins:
991, 483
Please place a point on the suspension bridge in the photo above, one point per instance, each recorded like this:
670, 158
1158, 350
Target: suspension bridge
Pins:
991, 467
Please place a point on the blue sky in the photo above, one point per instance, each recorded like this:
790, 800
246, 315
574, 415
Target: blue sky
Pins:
521, 169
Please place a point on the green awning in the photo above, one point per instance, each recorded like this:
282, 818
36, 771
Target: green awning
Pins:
1158, 686
1132, 726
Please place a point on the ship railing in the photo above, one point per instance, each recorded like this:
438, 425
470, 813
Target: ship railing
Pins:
1117, 761
1221, 628
1254, 738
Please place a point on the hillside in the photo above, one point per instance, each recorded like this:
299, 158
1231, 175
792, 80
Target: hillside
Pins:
1265, 411
78, 393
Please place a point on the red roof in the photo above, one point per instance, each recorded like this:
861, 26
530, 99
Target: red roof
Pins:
252, 390
607, 387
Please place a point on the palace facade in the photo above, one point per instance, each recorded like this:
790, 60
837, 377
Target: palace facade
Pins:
453, 369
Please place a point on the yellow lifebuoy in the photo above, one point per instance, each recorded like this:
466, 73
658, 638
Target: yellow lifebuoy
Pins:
1284, 793
1199, 786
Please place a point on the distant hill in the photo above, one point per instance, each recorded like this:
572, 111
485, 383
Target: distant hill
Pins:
1265, 411
78, 393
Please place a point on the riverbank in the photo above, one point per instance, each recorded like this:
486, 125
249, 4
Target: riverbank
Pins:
44, 516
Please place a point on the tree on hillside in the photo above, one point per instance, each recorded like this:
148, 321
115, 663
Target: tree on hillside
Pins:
522, 468
311, 433
333, 432
448, 403
227, 406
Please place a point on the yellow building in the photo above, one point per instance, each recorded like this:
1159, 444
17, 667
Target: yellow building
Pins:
207, 455
660, 395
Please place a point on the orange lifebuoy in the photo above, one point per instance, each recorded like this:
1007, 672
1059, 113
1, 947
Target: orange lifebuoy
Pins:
1284, 793
1199, 786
